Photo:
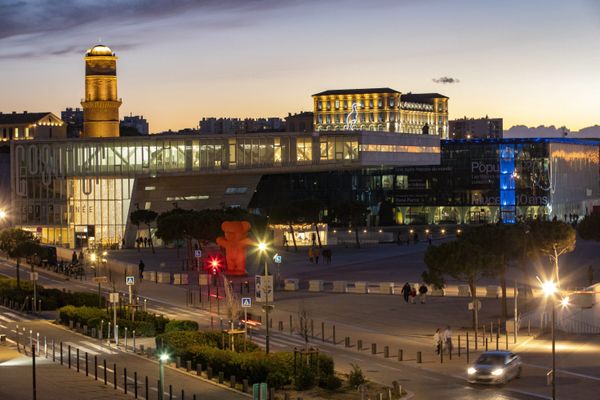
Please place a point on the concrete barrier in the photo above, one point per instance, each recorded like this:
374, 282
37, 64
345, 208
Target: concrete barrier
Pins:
437, 292
359, 287
291, 285
386, 287
180, 279
464, 291
163, 277
493, 291
150, 276
340, 286
315, 285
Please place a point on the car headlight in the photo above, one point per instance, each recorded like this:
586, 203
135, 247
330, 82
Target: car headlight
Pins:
471, 371
497, 372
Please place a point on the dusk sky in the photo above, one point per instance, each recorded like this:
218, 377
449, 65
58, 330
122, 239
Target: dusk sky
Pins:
530, 62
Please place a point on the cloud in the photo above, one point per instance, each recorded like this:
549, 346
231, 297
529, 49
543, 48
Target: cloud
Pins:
445, 80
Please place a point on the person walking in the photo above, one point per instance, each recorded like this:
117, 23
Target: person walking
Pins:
422, 293
74, 258
406, 291
141, 267
316, 253
310, 254
437, 341
413, 295
447, 338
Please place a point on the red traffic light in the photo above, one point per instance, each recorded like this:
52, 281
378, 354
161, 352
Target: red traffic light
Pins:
214, 264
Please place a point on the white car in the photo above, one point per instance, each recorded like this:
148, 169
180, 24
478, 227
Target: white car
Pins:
495, 367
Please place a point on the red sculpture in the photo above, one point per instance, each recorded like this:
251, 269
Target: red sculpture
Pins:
235, 243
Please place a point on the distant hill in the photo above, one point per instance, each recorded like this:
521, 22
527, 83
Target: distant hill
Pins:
522, 131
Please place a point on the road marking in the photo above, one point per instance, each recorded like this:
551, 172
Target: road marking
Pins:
99, 347
564, 371
398, 369
3, 318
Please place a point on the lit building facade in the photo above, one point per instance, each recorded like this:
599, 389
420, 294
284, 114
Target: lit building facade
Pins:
77, 193
101, 103
27, 126
381, 109
477, 181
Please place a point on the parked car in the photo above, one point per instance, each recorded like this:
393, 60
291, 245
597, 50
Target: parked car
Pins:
495, 367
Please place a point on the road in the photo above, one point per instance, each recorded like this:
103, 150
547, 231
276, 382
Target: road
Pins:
423, 380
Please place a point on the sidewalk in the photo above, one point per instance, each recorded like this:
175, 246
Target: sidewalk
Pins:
52, 380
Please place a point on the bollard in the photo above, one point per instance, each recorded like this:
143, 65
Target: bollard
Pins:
198, 369
333, 331
419, 360
182, 394
312, 328
506, 337
323, 331
77, 352
528, 327
232, 381
95, 367
400, 355
170, 392
373, 348
209, 372
53, 351
245, 385
359, 344
133, 333
386, 351
125, 380
280, 326
86, 364
115, 375
272, 393
441, 354
135, 386
146, 387
486, 344
497, 342
178, 362
347, 341
221, 377
69, 355
458, 346
291, 325
467, 347
105, 372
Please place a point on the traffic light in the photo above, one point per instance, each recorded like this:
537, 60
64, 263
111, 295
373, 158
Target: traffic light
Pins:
214, 265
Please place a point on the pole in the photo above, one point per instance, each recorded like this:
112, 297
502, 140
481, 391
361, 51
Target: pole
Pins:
99, 295
161, 377
515, 293
553, 349
266, 285
115, 322
33, 371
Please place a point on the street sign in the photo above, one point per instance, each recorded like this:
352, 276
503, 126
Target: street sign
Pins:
33, 276
113, 297
277, 259
263, 287
470, 306
130, 280
198, 253
100, 279
246, 302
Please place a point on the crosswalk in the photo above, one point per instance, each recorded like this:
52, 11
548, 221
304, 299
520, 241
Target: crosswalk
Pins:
9, 319
91, 348
284, 342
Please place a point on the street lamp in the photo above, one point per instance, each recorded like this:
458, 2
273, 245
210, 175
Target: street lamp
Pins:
164, 357
262, 248
549, 289
2, 214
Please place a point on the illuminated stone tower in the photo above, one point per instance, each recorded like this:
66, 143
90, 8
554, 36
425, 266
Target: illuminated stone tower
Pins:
101, 104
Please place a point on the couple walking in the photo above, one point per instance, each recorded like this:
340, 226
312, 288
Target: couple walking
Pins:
443, 340
410, 293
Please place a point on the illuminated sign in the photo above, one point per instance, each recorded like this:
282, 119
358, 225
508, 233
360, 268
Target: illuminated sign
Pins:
351, 118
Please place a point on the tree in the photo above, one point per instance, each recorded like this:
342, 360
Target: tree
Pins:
503, 244
309, 211
286, 214
146, 217
551, 239
589, 227
17, 244
461, 260
386, 213
351, 213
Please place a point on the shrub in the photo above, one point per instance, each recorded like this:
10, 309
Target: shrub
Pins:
331, 382
356, 377
276, 379
305, 378
181, 325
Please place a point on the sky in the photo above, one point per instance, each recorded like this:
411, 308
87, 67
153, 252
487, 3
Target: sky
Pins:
531, 62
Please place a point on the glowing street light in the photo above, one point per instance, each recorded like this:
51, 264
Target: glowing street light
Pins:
163, 358
565, 301
2, 214
549, 288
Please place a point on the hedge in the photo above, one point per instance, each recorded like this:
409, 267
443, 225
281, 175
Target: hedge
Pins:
277, 369
145, 324
181, 325
51, 298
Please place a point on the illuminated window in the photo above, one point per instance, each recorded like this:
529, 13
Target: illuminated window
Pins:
345, 104
402, 182
319, 105
150, 188
148, 205
236, 190
392, 102
337, 104
328, 105
303, 149
371, 103
187, 198
16, 133
380, 103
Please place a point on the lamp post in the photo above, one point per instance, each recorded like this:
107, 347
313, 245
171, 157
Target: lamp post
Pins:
549, 288
164, 357
262, 247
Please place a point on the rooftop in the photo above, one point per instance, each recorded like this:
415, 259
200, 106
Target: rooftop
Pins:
421, 97
21, 118
356, 91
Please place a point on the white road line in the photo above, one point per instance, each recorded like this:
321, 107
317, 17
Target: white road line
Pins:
3, 318
81, 348
564, 371
3, 326
100, 348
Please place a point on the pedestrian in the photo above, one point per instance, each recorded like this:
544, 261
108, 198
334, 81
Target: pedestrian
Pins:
138, 243
310, 254
422, 293
406, 291
327, 255
145, 242
313, 239
413, 295
123, 243
141, 267
74, 258
316, 253
447, 338
591, 274
285, 243
416, 238
429, 239
437, 341
81, 258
